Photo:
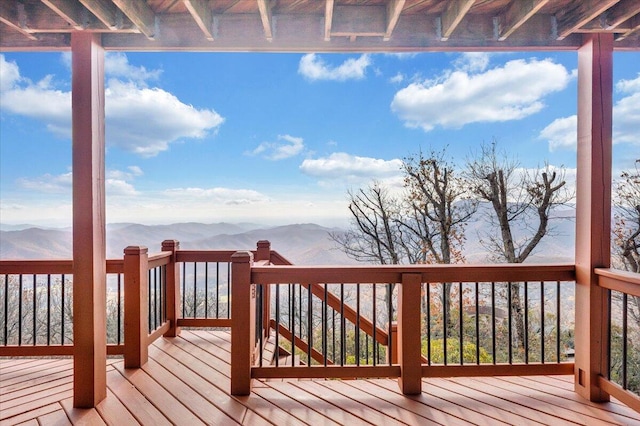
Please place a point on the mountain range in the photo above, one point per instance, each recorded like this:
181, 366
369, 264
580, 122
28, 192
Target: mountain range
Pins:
302, 244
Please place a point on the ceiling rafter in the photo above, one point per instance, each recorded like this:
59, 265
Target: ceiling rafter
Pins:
516, 15
140, 14
622, 12
69, 10
16, 19
105, 11
635, 27
201, 13
328, 19
583, 12
453, 15
266, 17
394, 8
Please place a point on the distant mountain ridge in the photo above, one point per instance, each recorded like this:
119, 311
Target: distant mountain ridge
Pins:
302, 244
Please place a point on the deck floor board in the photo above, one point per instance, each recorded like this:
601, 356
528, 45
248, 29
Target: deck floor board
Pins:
186, 381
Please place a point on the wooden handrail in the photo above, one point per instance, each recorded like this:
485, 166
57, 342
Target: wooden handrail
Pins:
430, 273
622, 281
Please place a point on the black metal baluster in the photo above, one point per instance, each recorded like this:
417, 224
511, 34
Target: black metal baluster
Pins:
20, 309
558, 331
195, 292
542, 354
493, 321
33, 305
149, 275
48, 309
342, 327
62, 310
325, 327
217, 289
206, 292
461, 325
119, 314
390, 315
445, 321
6, 309
309, 324
357, 325
228, 289
184, 288
525, 337
292, 311
428, 323
509, 323
477, 323
375, 353
625, 348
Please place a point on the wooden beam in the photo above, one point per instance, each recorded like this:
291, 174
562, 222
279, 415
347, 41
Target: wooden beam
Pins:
265, 16
621, 12
69, 10
328, 19
394, 8
580, 15
453, 15
89, 229
140, 14
634, 27
104, 11
593, 212
16, 19
136, 307
243, 304
201, 13
516, 15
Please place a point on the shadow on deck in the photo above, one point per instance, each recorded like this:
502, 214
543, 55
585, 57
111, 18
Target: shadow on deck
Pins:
186, 381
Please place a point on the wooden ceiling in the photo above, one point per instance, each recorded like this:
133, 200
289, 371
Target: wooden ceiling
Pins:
319, 25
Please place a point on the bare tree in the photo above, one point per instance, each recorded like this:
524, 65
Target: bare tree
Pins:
439, 206
373, 236
521, 204
626, 233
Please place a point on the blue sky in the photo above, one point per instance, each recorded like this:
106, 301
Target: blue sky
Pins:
280, 138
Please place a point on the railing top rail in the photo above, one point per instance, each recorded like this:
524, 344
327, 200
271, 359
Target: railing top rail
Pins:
159, 259
430, 273
204, 255
628, 276
64, 266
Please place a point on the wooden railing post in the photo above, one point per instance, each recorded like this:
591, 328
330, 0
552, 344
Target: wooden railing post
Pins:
264, 253
410, 380
172, 288
243, 312
393, 349
136, 310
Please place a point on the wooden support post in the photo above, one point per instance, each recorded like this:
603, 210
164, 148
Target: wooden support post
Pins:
410, 380
593, 213
136, 308
89, 228
172, 288
264, 253
243, 322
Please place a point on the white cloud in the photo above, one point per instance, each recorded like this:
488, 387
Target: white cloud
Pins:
291, 147
472, 61
117, 182
138, 119
626, 113
146, 120
563, 132
341, 165
218, 195
314, 68
116, 64
460, 97
398, 78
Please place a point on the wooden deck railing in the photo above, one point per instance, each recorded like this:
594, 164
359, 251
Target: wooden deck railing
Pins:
249, 280
623, 320
162, 292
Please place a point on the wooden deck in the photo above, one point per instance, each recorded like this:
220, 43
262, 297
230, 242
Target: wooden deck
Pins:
187, 382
